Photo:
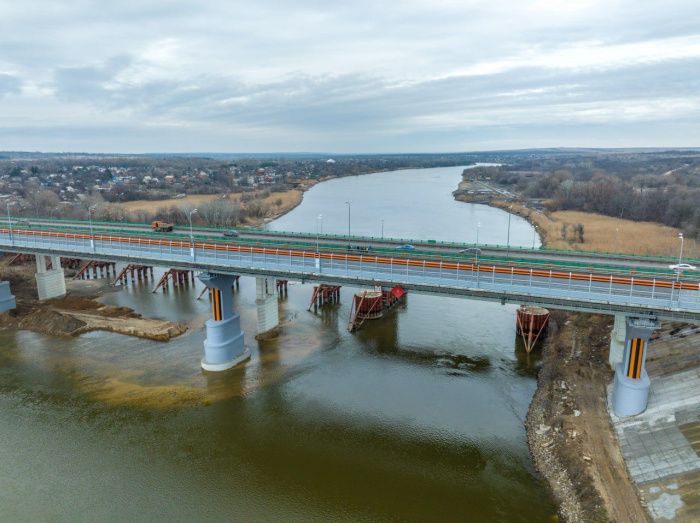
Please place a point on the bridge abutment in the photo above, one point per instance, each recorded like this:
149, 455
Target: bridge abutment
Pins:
50, 283
266, 303
617, 341
7, 300
631, 383
224, 346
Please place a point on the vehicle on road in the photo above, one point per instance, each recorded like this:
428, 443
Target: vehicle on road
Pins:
159, 226
231, 233
682, 267
470, 250
407, 247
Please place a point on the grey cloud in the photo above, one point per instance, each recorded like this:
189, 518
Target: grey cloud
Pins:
9, 84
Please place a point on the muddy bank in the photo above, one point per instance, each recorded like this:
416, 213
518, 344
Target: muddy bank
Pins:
78, 312
571, 439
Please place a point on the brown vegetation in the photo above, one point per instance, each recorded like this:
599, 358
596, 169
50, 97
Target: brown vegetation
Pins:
604, 233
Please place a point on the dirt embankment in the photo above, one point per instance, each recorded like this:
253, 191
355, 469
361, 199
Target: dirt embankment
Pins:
569, 432
76, 313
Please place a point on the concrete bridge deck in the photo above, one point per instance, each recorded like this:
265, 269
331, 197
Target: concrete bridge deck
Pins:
594, 289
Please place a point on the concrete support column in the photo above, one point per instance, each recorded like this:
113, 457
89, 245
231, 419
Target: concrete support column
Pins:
224, 347
617, 341
7, 300
631, 384
266, 302
49, 283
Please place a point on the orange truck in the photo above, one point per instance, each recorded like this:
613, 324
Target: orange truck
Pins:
159, 226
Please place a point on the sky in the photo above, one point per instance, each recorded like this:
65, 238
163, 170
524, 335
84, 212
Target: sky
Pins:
357, 76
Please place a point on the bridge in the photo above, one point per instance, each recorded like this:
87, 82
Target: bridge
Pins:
639, 292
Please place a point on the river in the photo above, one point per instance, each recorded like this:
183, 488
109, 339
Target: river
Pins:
418, 416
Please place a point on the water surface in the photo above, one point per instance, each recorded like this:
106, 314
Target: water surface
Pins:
418, 416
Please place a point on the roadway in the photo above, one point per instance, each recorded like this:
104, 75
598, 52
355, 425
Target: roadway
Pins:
663, 298
517, 255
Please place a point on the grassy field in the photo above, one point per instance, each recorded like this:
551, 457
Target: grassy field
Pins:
605, 233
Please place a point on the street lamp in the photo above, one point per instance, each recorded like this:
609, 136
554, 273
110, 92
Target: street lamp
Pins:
189, 215
510, 209
9, 219
680, 257
91, 209
478, 226
348, 204
382, 229
319, 219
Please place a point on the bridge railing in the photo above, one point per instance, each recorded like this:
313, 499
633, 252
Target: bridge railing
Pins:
422, 242
406, 270
509, 261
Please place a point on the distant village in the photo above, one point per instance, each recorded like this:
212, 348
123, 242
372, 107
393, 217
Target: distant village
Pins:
52, 184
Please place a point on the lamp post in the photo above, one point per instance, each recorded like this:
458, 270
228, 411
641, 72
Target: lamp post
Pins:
9, 220
478, 226
680, 257
319, 219
510, 208
382, 229
91, 209
189, 215
348, 204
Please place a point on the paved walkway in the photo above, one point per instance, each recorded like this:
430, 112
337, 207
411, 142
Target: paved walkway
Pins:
661, 446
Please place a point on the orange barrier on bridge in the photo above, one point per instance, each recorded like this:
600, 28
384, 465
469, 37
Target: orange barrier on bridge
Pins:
397, 262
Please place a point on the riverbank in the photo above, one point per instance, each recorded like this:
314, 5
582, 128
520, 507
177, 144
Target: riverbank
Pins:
78, 312
571, 439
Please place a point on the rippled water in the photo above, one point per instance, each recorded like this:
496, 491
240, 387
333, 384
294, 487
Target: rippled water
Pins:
418, 416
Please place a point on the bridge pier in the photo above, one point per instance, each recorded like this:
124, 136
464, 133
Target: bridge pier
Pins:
266, 302
631, 383
7, 300
224, 347
50, 283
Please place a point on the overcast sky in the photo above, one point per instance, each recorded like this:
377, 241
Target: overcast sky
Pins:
351, 76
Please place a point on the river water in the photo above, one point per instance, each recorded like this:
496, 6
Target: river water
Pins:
417, 417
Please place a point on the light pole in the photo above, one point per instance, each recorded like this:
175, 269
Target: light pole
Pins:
319, 219
91, 209
382, 229
478, 226
9, 220
680, 257
348, 204
534, 228
189, 215
510, 208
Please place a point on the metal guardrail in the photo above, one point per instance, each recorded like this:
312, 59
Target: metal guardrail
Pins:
509, 261
413, 241
360, 269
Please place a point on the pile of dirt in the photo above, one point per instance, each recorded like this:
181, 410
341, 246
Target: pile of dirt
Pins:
570, 435
51, 322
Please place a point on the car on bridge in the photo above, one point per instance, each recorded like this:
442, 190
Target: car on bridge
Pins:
231, 233
680, 267
406, 247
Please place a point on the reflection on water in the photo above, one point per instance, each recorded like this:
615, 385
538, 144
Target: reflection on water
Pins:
418, 416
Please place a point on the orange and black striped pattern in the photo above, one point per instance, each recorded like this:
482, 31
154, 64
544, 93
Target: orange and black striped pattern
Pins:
634, 366
216, 304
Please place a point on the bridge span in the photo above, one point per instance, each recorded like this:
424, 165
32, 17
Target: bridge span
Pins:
638, 296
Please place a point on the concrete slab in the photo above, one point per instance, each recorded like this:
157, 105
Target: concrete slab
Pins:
661, 446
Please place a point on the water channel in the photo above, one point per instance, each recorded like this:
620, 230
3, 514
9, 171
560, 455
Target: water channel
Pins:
417, 417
